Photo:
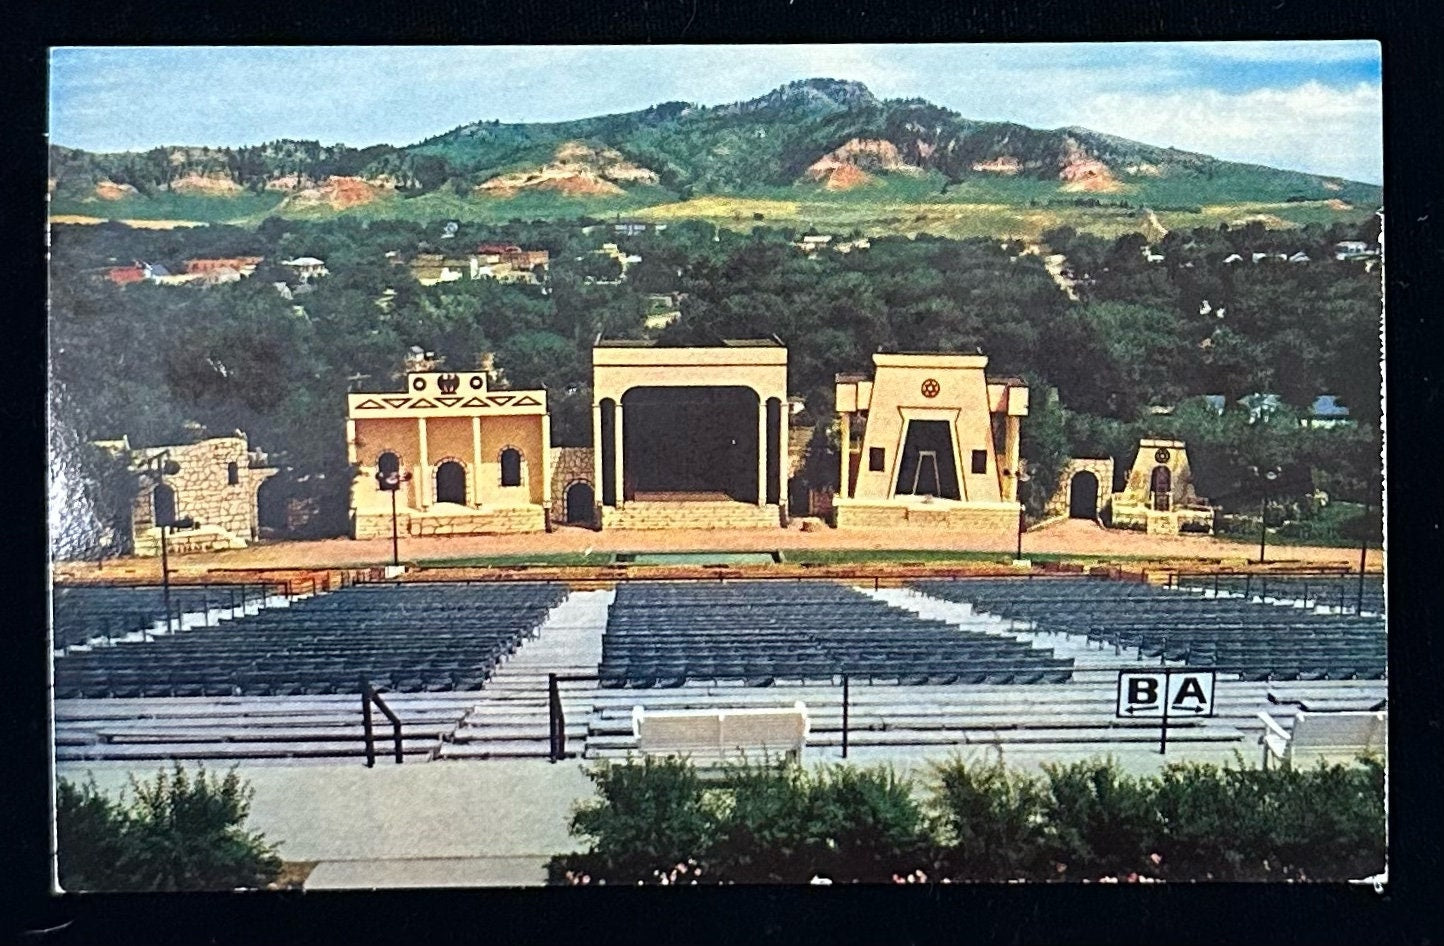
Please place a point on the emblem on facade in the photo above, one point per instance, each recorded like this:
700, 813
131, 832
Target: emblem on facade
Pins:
448, 383
931, 387
476, 382
418, 384
1161, 455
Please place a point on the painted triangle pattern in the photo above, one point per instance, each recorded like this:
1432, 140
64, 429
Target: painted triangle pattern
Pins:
501, 400
448, 401
474, 402
397, 401
527, 401
370, 404
422, 402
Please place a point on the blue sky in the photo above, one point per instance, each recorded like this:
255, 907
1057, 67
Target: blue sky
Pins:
1312, 106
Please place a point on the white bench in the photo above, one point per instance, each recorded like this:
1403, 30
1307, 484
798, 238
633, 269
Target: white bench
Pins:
1331, 737
713, 738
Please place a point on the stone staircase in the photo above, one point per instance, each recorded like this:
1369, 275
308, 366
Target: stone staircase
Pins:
511, 718
692, 515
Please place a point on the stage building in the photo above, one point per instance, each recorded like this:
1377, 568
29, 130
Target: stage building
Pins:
478, 460
690, 437
939, 445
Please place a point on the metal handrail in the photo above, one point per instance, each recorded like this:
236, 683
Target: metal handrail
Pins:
369, 696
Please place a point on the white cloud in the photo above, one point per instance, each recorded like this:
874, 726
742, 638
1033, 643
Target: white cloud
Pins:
1311, 127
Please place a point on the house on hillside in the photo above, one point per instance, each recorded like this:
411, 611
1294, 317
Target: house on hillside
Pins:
429, 269
1325, 412
306, 268
124, 275
813, 243
1354, 250
1300, 257
242, 265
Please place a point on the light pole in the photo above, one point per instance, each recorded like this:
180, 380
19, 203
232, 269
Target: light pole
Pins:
391, 483
1363, 559
1268, 476
158, 466
1023, 475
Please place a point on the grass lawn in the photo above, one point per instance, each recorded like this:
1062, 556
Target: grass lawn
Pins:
929, 556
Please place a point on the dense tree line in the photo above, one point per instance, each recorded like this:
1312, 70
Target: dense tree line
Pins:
145, 360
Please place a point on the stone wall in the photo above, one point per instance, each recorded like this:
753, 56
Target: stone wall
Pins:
692, 515
1060, 501
504, 520
203, 491
569, 465
989, 520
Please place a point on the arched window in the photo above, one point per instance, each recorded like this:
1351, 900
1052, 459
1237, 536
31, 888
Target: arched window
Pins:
162, 504
511, 467
388, 463
233, 473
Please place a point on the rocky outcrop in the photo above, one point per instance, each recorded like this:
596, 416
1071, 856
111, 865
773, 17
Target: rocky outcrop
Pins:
577, 169
854, 163
337, 193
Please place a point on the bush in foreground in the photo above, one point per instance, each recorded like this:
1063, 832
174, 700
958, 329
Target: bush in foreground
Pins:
655, 821
178, 833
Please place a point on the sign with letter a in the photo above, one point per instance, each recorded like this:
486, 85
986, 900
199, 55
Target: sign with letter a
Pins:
1156, 693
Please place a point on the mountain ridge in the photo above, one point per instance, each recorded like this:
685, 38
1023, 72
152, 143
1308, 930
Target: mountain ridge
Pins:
812, 136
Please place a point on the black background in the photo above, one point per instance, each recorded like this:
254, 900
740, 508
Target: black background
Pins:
1155, 914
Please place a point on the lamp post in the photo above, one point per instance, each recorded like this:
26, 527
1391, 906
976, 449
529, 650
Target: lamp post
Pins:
1268, 476
158, 466
1024, 475
1363, 559
391, 483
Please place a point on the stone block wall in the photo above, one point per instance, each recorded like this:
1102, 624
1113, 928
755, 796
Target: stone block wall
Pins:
985, 520
203, 491
1060, 501
569, 465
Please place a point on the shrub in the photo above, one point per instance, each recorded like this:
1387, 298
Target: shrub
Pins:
649, 815
178, 833
989, 820
1100, 821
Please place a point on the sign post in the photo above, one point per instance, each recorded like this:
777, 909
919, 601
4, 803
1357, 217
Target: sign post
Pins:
1164, 693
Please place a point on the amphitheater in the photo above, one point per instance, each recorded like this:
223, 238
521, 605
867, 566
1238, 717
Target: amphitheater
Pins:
500, 688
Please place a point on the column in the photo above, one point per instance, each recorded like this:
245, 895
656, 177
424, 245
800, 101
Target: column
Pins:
617, 442
422, 476
350, 441
844, 449
476, 460
782, 452
597, 453
1010, 448
761, 450
546, 463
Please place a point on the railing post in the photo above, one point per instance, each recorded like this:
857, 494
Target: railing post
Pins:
846, 700
555, 721
366, 723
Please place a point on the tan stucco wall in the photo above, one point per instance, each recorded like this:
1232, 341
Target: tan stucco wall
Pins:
617, 370
523, 433
962, 399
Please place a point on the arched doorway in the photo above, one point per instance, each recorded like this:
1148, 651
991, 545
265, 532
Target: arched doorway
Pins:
1161, 486
581, 501
451, 483
1083, 496
162, 505
511, 467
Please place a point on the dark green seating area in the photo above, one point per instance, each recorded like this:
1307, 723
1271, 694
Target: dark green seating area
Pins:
1338, 591
665, 634
83, 613
406, 638
1256, 640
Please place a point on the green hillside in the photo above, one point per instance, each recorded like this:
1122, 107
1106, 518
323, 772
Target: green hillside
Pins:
830, 146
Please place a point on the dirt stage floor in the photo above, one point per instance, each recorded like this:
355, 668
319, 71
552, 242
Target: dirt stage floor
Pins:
1073, 538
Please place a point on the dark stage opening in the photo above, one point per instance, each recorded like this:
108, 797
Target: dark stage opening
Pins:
451, 483
580, 502
690, 440
927, 467
1083, 496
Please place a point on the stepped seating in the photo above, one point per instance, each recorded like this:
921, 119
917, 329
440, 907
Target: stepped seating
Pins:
665, 634
86, 613
1339, 591
1255, 640
406, 638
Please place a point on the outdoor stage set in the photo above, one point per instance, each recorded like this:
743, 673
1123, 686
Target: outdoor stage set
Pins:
686, 438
